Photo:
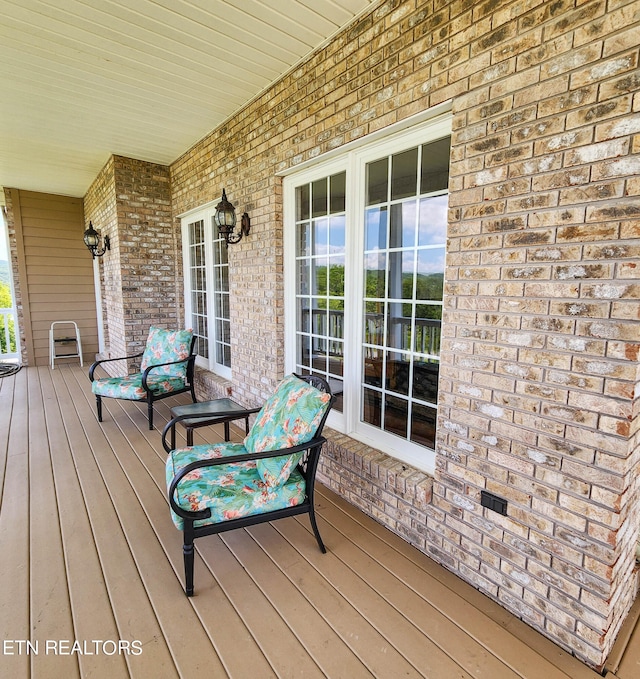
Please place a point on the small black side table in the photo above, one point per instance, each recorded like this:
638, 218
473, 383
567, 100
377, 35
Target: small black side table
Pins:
194, 415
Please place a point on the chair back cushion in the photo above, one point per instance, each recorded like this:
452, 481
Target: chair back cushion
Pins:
290, 417
164, 346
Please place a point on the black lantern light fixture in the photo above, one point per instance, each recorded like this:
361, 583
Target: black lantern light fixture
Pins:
92, 241
225, 219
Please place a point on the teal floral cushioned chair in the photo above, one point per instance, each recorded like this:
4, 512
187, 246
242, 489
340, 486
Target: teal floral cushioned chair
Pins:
166, 369
218, 487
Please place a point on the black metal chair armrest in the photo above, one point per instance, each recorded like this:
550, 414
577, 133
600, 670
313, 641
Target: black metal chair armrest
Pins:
232, 459
145, 374
95, 364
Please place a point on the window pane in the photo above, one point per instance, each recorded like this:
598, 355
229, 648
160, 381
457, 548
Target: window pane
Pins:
371, 407
336, 276
304, 350
425, 380
320, 235
319, 198
303, 239
319, 321
337, 193
224, 278
402, 227
220, 252
433, 220
427, 333
225, 306
399, 326
401, 265
336, 234
336, 360
397, 372
404, 174
303, 277
377, 174
319, 358
435, 166
430, 279
224, 331
319, 276
337, 389
226, 357
302, 202
375, 275
304, 315
220, 307
396, 415
375, 237
423, 425
197, 257
374, 324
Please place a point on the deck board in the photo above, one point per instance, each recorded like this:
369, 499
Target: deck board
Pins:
88, 552
406, 619
329, 651
465, 599
14, 527
105, 490
51, 614
379, 636
93, 614
462, 621
186, 628
141, 585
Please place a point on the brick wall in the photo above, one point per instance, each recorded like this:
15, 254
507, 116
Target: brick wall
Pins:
392, 492
101, 209
540, 357
539, 375
130, 201
147, 247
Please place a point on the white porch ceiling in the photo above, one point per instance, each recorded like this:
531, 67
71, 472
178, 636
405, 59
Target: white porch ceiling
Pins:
82, 79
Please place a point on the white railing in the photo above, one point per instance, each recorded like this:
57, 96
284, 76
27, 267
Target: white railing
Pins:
423, 338
8, 342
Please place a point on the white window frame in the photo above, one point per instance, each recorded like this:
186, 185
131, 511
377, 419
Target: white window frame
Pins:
203, 213
353, 161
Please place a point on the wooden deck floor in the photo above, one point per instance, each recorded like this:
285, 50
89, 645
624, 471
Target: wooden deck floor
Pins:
88, 554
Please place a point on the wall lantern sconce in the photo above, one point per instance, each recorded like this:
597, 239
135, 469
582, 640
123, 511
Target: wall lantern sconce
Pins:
225, 219
92, 241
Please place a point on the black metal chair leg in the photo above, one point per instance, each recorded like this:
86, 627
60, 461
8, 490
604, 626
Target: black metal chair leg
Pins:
187, 551
99, 407
316, 532
150, 412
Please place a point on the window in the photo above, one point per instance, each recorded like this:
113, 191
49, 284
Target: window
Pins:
320, 267
365, 256
206, 274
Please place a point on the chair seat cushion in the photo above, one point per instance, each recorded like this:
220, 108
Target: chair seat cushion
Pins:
231, 490
130, 387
